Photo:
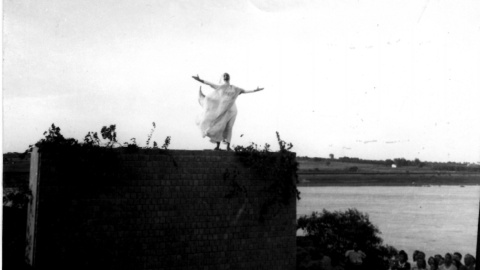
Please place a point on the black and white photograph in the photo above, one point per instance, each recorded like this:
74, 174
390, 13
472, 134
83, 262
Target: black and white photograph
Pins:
241, 134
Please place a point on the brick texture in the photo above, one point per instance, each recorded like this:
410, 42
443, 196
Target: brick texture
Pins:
156, 209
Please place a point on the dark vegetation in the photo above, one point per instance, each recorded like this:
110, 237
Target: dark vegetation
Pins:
402, 162
54, 139
277, 169
330, 234
13, 244
14, 214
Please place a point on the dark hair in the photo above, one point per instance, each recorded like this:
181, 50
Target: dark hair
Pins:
421, 255
226, 77
470, 256
448, 254
434, 261
402, 252
458, 254
416, 253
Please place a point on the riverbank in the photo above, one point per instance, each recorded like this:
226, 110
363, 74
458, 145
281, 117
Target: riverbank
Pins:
387, 179
336, 173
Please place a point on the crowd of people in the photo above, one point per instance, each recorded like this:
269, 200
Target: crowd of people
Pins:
355, 258
437, 262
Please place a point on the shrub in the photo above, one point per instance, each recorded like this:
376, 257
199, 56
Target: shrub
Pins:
280, 167
353, 169
17, 198
333, 233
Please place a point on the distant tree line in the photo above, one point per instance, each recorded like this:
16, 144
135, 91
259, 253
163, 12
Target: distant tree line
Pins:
453, 166
399, 162
361, 161
402, 162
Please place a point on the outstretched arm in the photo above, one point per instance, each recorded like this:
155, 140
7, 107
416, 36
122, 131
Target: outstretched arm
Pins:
251, 91
205, 82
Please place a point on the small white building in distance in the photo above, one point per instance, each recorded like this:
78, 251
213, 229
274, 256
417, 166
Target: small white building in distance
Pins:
394, 166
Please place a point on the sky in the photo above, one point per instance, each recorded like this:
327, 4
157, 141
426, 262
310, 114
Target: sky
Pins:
367, 79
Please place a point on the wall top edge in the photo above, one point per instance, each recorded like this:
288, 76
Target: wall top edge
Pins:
175, 152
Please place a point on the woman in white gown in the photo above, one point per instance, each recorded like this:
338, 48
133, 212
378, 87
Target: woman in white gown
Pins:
219, 110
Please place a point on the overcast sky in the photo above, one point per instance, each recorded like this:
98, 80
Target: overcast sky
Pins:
367, 79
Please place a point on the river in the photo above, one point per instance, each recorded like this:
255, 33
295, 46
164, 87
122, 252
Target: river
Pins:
435, 219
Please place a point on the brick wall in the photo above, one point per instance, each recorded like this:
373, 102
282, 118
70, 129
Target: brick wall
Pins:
153, 209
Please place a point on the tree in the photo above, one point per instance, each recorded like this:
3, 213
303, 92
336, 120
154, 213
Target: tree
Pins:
418, 163
400, 162
335, 232
389, 162
331, 156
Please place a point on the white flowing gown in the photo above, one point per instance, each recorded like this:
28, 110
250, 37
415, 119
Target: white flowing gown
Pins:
218, 112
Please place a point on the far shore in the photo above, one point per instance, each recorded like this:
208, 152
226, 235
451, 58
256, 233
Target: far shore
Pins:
387, 179
335, 173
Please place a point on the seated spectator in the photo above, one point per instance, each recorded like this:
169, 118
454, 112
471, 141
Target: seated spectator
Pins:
421, 264
448, 264
440, 260
414, 256
469, 261
417, 255
355, 257
432, 264
402, 262
457, 260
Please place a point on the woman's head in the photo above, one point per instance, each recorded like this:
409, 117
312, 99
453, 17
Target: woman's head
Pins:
457, 256
414, 256
226, 77
421, 255
448, 259
431, 261
421, 263
439, 259
469, 260
402, 256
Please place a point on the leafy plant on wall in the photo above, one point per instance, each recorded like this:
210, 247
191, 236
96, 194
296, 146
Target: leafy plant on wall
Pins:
278, 170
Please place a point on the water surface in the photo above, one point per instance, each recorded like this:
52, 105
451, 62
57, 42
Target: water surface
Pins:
436, 219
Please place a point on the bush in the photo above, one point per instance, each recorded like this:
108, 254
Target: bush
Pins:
14, 228
353, 169
17, 198
333, 233
280, 168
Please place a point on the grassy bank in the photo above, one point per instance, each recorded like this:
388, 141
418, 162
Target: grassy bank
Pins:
336, 173
359, 179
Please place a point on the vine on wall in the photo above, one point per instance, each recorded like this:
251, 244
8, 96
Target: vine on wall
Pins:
54, 139
90, 157
277, 169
